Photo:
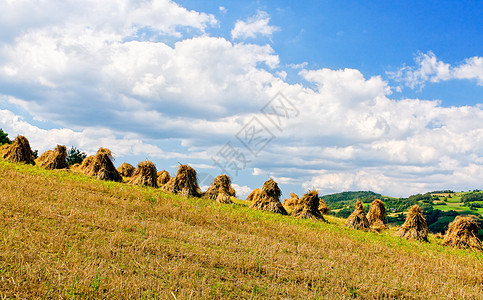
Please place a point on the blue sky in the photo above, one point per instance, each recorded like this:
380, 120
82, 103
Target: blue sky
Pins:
375, 95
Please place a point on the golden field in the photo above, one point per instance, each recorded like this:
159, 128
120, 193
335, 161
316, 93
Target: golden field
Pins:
64, 235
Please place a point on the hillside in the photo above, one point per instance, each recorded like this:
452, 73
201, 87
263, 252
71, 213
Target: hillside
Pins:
64, 235
439, 207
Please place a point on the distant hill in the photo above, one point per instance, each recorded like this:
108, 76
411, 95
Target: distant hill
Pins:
349, 196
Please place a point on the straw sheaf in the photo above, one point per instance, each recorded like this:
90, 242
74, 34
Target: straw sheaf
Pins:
358, 219
307, 207
18, 151
292, 201
463, 233
323, 207
100, 166
377, 215
185, 182
145, 174
163, 177
415, 227
51, 160
220, 190
126, 170
268, 198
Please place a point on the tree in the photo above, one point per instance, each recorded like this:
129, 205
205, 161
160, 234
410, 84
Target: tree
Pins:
75, 156
4, 138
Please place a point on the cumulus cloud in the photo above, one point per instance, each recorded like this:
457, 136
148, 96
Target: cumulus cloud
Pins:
255, 26
430, 69
103, 82
89, 140
120, 17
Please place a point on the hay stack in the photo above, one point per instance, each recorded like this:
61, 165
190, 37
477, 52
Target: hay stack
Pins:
145, 174
255, 194
18, 151
323, 207
221, 190
100, 166
185, 182
307, 207
415, 227
163, 177
358, 219
56, 159
377, 215
268, 198
463, 233
292, 201
126, 170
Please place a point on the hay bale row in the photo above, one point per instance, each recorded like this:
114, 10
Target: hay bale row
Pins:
268, 198
461, 233
18, 151
54, 159
220, 190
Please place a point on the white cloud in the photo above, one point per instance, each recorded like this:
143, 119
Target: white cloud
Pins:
103, 83
119, 17
89, 140
255, 26
242, 192
429, 69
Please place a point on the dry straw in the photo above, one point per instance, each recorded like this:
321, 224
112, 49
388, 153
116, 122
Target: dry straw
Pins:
358, 219
163, 178
268, 198
100, 166
54, 159
18, 151
126, 170
185, 182
221, 190
145, 174
323, 207
463, 233
292, 201
307, 207
415, 227
377, 215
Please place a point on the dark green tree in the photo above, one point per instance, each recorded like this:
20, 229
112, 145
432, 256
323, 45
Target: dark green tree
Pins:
75, 156
4, 138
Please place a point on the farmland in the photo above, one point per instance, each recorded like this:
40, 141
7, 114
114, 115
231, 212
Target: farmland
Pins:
66, 235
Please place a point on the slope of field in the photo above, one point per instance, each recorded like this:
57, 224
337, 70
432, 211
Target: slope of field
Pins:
64, 235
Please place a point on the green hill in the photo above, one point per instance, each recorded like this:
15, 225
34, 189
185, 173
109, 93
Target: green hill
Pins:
65, 235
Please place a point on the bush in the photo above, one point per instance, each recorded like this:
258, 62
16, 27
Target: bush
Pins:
75, 156
472, 197
4, 138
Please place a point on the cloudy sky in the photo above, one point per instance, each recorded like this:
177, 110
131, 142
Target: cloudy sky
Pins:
334, 95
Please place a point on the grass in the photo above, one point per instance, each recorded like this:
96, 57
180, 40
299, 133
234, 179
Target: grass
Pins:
66, 236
